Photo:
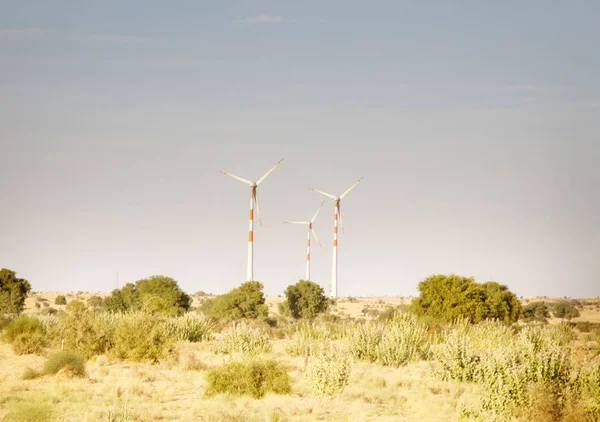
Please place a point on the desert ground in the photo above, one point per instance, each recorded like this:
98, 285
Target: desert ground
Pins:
173, 389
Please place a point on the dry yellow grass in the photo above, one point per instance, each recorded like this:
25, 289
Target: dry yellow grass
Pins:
174, 389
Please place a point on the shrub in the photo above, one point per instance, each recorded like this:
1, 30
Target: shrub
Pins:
190, 328
26, 334
60, 300
48, 311
363, 340
13, 292
304, 338
329, 369
246, 301
403, 340
95, 301
455, 358
447, 297
157, 294
242, 339
564, 309
71, 363
75, 307
140, 336
90, 333
536, 311
306, 299
29, 374
254, 378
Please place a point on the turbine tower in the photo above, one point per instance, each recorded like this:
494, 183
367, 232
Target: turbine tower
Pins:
338, 212
253, 200
310, 230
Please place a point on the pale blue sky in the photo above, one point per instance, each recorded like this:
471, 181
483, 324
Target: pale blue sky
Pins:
475, 124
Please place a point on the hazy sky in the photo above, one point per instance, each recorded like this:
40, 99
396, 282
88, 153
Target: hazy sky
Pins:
475, 124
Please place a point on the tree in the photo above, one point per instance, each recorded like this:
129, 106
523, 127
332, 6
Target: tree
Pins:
448, 297
60, 300
536, 311
245, 301
306, 299
157, 294
95, 301
13, 292
565, 310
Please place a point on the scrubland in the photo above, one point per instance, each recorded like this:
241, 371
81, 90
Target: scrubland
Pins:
360, 362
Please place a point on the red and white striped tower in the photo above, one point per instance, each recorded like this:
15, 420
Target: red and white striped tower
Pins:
337, 216
333, 292
310, 230
253, 201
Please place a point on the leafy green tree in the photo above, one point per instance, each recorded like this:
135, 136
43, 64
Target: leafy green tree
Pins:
448, 297
565, 310
245, 301
536, 311
306, 299
60, 300
13, 292
158, 294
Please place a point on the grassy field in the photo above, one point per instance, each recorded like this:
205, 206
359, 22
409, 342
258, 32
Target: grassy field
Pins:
174, 388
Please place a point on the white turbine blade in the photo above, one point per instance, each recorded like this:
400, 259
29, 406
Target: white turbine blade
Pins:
315, 216
257, 207
350, 188
323, 193
269, 172
315, 235
296, 222
248, 182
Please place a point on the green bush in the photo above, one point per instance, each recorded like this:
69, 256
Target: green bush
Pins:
95, 302
305, 338
564, 309
447, 297
13, 292
140, 336
244, 340
329, 369
536, 312
60, 300
70, 362
90, 333
404, 339
306, 299
156, 294
26, 335
254, 378
190, 328
29, 374
244, 302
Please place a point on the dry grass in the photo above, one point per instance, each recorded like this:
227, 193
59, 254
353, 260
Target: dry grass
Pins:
174, 389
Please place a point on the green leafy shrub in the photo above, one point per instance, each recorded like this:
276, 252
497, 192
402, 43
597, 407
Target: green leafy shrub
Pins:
60, 300
564, 309
90, 333
13, 292
363, 340
48, 311
95, 302
403, 340
71, 363
29, 374
329, 369
447, 297
26, 335
536, 311
140, 336
244, 302
455, 358
244, 340
306, 299
190, 328
254, 378
306, 336
156, 294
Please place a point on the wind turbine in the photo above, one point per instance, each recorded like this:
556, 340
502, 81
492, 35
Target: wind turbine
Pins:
253, 200
338, 212
310, 229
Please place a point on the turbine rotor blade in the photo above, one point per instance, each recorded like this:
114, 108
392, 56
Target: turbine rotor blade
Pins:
315, 216
296, 222
248, 182
350, 188
269, 172
315, 235
257, 207
323, 193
